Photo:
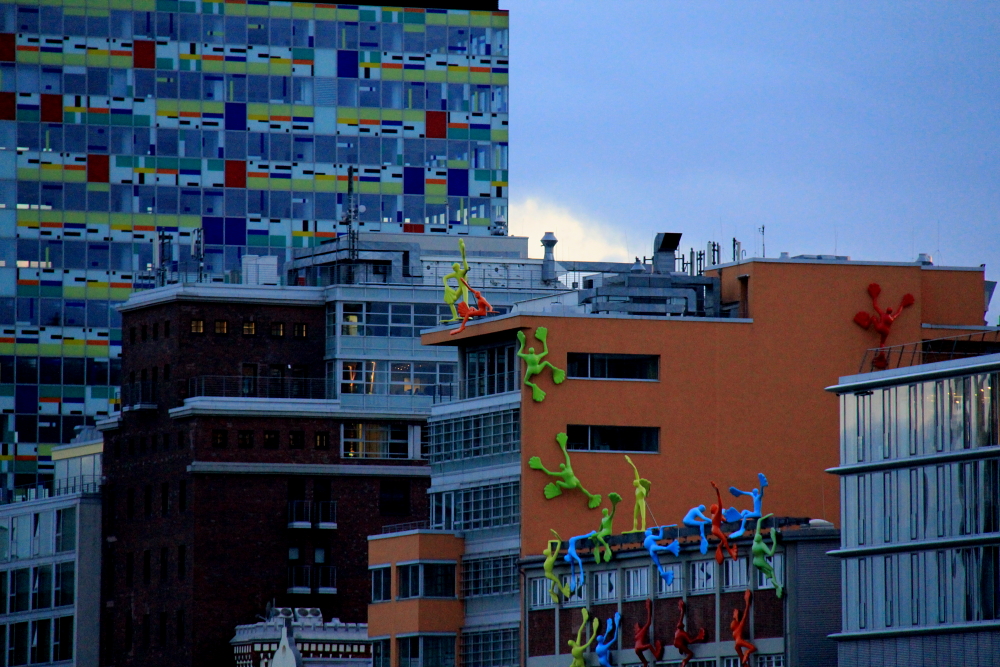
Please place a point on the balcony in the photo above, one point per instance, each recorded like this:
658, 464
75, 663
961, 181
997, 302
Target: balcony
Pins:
51, 489
326, 579
300, 579
260, 387
307, 579
930, 351
306, 514
477, 387
141, 395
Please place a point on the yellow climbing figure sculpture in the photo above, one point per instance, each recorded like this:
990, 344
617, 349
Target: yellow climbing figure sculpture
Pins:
642, 487
534, 364
576, 648
551, 554
458, 272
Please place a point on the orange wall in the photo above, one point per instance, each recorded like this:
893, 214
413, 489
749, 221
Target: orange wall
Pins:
734, 398
416, 614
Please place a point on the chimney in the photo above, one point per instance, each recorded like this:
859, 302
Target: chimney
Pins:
664, 249
549, 260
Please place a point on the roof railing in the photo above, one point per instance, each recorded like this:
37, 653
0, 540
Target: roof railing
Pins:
973, 344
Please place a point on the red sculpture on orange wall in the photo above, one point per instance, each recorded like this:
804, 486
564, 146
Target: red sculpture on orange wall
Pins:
882, 320
682, 638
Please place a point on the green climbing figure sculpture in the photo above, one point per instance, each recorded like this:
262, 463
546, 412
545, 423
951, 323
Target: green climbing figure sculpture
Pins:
761, 553
458, 272
642, 487
577, 648
551, 554
565, 477
535, 365
606, 530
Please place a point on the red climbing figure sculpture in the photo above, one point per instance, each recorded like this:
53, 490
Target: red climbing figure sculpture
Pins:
682, 638
642, 638
882, 320
716, 512
739, 625
482, 309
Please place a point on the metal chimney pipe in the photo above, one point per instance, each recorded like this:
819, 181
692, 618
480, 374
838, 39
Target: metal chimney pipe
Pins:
549, 260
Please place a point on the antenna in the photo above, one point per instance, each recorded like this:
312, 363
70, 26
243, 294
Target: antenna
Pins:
198, 250
350, 217
763, 250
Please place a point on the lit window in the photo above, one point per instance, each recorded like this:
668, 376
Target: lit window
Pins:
299, 330
277, 329
221, 326
197, 326
249, 328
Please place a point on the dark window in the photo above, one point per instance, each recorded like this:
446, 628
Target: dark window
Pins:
144, 333
270, 439
131, 335
164, 563
322, 440
166, 372
244, 439
394, 497
197, 326
221, 327
147, 501
409, 581
166, 329
381, 584
613, 366
181, 561
146, 566
156, 331
439, 580
62, 639
613, 438
299, 330
277, 329
164, 498
296, 439
129, 569
66, 584
220, 439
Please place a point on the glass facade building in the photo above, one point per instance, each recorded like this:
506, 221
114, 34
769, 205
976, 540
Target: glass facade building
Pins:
920, 483
130, 129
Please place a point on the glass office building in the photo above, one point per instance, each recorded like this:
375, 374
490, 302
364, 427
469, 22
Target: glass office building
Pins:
132, 129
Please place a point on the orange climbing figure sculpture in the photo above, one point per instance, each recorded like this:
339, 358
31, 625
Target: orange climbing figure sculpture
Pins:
716, 512
482, 309
882, 320
739, 625
681, 637
642, 638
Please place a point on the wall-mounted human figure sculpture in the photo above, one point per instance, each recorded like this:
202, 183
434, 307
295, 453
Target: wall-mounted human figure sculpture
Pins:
716, 511
575, 562
577, 647
551, 553
534, 364
733, 514
458, 272
642, 643
607, 529
642, 488
882, 320
681, 637
739, 625
761, 553
565, 479
465, 311
695, 518
607, 641
654, 535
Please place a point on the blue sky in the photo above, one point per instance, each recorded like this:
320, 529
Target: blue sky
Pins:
868, 129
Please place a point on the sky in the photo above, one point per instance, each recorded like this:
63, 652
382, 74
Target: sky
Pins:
868, 129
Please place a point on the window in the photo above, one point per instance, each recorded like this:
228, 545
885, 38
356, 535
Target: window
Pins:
914, 503
181, 561
491, 575
612, 366
182, 496
299, 330
129, 570
862, 593
439, 580
676, 587
166, 329
605, 585
427, 651
381, 653
381, 584
65, 588
371, 440
62, 639
220, 439
20, 589
164, 498
777, 562
322, 440
703, 575
491, 370
40, 640
396, 377
277, 329
296, 439
479, 435
399, 320
270, 439
244, 439
942, 586
221, 327
41, 587
734, 573
491, 648
575, 597
915, 578
636, 582
888, 500
164, 564
147, 565
476, 508
66, 529
613, 438
861, 509
890, 594
409, 581
249, 328
539, 591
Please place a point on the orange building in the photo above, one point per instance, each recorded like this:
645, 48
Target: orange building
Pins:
696, 399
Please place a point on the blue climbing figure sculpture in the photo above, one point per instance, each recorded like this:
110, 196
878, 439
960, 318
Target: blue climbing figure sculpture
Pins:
732, 514
654, 535
607, 640
574, 560
695, 518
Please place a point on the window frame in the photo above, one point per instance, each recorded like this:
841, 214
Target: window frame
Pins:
573, 359
573, 430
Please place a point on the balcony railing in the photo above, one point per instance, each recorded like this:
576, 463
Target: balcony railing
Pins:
141, 393
306, 579
477, 387
300, 579
929, 351
260, 387
326, 579
51, 488
307, 513
403, 527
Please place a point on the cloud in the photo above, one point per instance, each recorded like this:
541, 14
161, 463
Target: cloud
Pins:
579, 239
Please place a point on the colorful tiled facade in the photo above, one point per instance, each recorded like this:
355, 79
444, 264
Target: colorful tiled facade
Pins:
122, 120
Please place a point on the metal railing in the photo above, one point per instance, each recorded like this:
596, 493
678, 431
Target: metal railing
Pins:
929, 351
306, 513
403, 527
143, 392
260, 387
51, 488
477, 387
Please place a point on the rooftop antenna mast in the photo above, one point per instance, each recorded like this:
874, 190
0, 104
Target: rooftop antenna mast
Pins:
763, 251
351, 217
198, 251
